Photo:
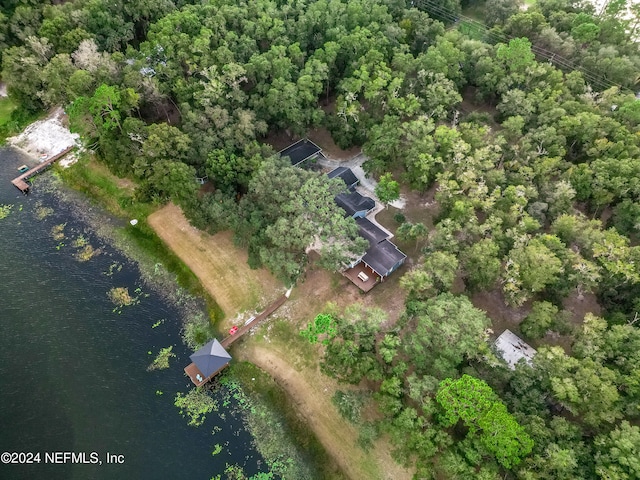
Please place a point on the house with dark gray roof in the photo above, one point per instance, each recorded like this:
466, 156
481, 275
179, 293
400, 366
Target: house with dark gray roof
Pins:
347, 176
354, 204
300, 151
384, 258
370, 231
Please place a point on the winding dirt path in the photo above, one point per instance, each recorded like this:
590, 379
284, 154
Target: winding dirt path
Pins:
313, 401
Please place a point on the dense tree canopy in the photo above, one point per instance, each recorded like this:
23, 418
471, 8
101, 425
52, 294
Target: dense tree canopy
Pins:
536, 191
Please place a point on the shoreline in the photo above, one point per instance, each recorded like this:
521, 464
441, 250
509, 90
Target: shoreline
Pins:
302, 396
46, 138
309, 391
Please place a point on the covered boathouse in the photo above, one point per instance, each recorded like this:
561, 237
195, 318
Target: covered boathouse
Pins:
207, 362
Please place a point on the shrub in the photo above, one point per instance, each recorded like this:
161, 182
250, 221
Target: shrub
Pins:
349, 404
542, 318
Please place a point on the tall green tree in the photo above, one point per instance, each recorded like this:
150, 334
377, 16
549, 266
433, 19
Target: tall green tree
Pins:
444, 331
483, 413
618, 454
387, 190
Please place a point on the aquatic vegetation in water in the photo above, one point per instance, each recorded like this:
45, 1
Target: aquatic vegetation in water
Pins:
122, 298
161, 362
57, 232
159, 392
42, 212
235, 472
217, 448
80, 241
5, 210
266, 426
195, 405
113, 268
197, 331
86, 253
158, 323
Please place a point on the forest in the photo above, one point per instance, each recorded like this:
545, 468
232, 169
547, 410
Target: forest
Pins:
537, 192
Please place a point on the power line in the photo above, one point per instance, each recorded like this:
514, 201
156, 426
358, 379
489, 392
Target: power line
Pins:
496, 37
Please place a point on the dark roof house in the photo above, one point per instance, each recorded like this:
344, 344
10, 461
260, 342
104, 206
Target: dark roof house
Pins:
384, 258
347, 176
300, 151
370, 231
355, 204
207, 361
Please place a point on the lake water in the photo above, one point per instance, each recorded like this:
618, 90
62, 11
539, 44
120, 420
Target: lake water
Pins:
73, 372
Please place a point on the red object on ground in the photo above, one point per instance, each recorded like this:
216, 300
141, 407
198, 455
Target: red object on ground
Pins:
233, 330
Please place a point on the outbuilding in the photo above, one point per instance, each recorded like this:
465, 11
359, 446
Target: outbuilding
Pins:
511, 348
207, 362
300, 151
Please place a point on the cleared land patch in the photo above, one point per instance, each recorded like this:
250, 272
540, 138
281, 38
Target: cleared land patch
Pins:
311, 392
7, 106
277, 347
217, 262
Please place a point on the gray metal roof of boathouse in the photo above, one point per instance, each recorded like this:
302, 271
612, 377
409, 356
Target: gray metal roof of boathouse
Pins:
211, 358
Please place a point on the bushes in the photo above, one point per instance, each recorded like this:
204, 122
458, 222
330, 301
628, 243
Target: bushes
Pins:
349, 404
197, 331
544, 316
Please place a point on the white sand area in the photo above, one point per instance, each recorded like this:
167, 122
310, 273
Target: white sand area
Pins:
47, 137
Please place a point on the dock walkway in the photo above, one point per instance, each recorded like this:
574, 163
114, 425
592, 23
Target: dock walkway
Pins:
20, 182
245, 328
220, 356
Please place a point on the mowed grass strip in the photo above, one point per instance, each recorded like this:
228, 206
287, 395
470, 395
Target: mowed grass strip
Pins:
219, 264
7, 106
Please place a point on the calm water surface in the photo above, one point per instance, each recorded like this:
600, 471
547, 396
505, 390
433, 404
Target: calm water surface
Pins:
73, 372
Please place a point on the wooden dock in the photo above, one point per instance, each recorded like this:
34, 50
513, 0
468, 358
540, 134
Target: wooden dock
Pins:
20, 182
213, 357
256, 321
193, 371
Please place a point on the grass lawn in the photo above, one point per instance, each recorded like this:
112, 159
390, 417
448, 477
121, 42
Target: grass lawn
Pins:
217, 262
7, 106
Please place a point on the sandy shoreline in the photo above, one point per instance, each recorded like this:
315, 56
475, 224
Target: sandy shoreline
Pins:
47, 137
